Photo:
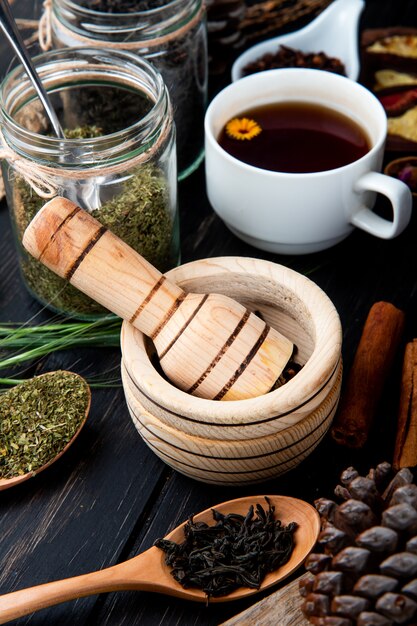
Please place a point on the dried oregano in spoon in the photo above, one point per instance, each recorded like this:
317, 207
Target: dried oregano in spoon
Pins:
38, 418
237, 551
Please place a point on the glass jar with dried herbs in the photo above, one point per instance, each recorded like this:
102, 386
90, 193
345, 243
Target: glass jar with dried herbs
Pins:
171, 34
118, 162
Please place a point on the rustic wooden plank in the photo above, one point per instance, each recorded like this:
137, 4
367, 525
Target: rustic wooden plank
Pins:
281, 607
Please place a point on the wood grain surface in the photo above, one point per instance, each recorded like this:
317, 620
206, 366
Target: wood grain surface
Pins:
109, 497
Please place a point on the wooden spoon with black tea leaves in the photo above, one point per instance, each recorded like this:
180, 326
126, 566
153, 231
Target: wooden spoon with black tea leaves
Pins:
62, 402
148, 572
208, 344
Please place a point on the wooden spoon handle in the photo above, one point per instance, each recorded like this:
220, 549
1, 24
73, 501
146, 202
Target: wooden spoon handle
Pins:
18, 603
144, 572
78, 248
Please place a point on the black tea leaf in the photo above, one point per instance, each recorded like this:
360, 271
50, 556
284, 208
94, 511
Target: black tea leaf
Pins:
237, 551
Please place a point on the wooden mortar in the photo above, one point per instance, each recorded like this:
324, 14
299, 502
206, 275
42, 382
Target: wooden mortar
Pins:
289, 302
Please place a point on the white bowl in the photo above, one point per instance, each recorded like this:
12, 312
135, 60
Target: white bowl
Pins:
334, 32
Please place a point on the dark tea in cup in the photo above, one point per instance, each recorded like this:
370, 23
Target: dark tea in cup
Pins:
309, 192
294, 137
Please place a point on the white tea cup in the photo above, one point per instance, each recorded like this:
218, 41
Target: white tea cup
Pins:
298, 213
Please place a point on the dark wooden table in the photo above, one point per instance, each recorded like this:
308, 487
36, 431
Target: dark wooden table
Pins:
110, 497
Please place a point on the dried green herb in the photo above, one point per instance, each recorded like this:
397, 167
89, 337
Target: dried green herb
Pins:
237, 551
139, 215
84, 132
38, 418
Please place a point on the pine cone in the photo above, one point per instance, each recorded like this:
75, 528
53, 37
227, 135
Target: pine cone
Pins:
363, 570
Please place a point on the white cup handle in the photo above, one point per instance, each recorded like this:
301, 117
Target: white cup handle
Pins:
397, 193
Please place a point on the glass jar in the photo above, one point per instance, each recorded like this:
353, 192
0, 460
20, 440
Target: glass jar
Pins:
172, 35
118, 160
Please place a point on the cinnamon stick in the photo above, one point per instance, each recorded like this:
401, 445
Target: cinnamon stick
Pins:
380, 339
405, 449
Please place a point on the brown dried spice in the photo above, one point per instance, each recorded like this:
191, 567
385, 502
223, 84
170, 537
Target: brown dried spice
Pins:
291, 57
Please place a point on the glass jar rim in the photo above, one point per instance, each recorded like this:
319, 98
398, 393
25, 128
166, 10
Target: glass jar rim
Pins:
127, 65
144, 25
172, 5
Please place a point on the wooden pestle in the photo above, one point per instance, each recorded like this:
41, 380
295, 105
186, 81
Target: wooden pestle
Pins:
208, 344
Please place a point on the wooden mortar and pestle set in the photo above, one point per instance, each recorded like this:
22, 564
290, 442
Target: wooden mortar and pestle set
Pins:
211, 346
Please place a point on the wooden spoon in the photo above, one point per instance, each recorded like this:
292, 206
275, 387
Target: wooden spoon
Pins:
148, 572
208, 344
6, 483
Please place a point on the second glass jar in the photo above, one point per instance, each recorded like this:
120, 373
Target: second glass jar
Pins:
172, 35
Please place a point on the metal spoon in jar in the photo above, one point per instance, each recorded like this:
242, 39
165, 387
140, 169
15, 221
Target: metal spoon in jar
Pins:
87, 194
10, 29
148, 571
